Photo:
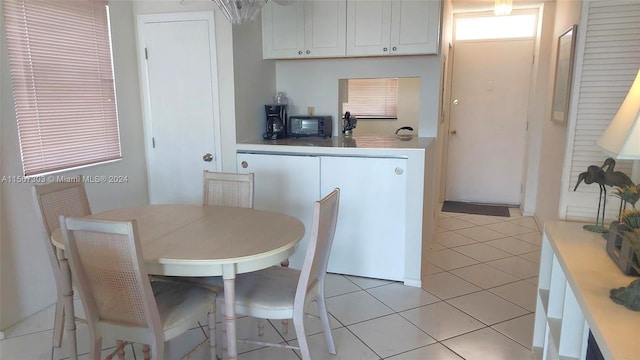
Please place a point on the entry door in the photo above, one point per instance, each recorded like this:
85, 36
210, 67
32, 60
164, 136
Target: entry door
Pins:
490, 92
181, 112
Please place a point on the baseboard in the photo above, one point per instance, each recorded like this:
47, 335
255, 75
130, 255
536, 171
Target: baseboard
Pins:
414, 283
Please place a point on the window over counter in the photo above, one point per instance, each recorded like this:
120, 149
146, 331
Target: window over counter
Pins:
372, 98
63, 83
385, 104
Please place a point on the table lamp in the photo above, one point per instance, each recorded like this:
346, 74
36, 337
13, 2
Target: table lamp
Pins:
621, 139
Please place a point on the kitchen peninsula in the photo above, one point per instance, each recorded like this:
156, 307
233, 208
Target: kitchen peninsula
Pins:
386, 221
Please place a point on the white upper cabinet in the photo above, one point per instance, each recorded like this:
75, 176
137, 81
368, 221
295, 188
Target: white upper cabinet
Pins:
304, 29
392, 27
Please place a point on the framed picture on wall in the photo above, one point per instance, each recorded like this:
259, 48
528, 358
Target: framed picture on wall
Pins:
564, 73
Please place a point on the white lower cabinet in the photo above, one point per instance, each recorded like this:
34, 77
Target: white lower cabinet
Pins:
370, 235
371, 232
288, 184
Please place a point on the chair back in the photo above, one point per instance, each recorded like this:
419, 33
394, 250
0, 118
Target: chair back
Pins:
228, 189
314, 268
51, 201
107, 264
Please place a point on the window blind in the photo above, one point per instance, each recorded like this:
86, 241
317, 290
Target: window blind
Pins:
63, 83
372, 98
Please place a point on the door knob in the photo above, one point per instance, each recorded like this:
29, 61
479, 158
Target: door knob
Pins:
207, 157
453, 132
456, 102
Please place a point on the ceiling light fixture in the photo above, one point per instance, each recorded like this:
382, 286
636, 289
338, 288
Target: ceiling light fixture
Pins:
503, 7
240, 11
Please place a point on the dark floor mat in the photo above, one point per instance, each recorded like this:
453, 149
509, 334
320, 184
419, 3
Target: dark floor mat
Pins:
478, 209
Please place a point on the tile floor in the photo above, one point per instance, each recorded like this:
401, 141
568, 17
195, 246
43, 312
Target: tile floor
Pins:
477, 303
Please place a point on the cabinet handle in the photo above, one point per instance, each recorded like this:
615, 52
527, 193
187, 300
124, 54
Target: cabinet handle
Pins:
394, 48
399, 170
308, 52
300, 52
384, 49
244, 164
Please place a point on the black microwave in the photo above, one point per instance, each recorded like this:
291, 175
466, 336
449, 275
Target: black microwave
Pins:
299, 126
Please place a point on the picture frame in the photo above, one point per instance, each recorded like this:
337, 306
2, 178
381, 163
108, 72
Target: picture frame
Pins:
563, 75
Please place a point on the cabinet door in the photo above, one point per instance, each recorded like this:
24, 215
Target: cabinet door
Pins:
283, 30
415, 27
370, 234
368, 27
286, 184
325, 28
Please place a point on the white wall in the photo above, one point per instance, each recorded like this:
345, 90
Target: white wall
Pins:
537, 115
554, 135
27, 285
315, 83
255, 80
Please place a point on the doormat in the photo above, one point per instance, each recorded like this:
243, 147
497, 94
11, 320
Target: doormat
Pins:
478, 209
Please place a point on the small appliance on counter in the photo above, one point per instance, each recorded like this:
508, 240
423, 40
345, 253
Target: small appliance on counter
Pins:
300, 126
276, 121
349, 122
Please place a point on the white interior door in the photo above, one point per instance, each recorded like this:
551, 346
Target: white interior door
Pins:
179, 85
490, 92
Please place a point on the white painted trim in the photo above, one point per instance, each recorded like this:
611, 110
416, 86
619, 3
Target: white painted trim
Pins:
414, 283
2, 335
576, 84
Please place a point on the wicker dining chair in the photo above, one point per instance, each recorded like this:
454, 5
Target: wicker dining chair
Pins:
283, 293
119, 300
227, 189
52, 200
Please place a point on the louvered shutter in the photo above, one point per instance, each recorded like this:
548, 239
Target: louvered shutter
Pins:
609, 43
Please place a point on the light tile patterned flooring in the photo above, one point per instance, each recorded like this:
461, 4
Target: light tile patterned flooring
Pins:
477, 303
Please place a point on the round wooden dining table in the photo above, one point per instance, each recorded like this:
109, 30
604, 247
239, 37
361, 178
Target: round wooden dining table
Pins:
197, 240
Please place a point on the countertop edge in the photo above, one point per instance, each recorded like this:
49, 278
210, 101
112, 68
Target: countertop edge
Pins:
366, 146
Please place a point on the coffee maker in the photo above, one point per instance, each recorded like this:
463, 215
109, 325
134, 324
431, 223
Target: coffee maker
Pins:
276, 121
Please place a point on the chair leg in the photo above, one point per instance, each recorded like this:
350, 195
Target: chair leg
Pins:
121, 345
146, 351
298, 322
324, 317
260, 327
58, 323
96, 348
212, 332
285, 322
157, 350
224, 341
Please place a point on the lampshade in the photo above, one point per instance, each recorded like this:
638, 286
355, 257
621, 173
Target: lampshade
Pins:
503, 7
621, 139
240, 11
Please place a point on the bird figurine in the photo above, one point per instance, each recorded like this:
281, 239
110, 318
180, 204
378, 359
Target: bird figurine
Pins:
595, 174
616, 178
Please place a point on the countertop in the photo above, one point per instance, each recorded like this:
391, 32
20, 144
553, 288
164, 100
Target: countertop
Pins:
357, 145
